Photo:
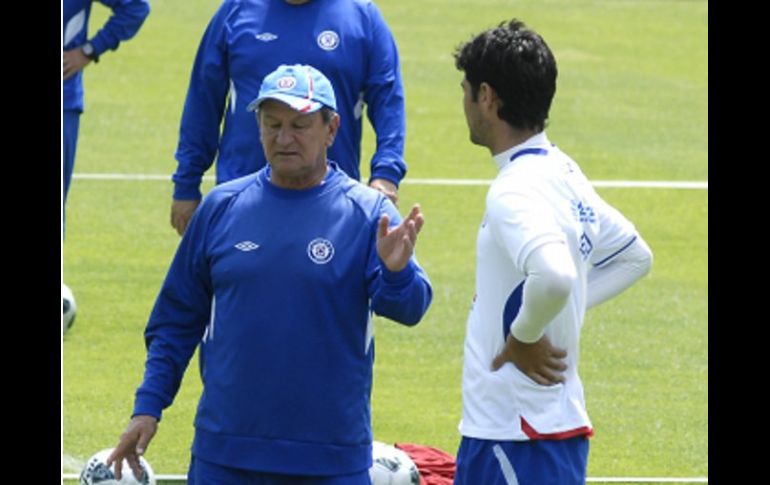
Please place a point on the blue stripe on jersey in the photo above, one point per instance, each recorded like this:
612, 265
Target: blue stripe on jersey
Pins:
529, 151
629, 243
512, 307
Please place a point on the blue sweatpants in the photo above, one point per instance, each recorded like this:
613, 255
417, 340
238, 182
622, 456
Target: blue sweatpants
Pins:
71, 125
204, 472
535, 462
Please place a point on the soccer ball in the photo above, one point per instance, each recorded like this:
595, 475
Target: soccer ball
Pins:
391, 466
95, 472
68, 308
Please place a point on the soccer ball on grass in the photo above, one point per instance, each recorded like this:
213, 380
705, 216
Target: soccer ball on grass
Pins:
96, 472
69, 308
391, 466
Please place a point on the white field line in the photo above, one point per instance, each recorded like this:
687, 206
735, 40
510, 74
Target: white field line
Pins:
647, 480
183, 479
158, 478
646, 184
71, 463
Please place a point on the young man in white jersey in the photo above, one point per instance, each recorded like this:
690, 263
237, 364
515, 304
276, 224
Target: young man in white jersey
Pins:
548, 249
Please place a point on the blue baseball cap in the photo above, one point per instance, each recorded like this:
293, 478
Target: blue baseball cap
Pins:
300, 86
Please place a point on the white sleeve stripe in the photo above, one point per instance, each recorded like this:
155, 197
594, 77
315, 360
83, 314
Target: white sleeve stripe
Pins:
233, 96
74, 26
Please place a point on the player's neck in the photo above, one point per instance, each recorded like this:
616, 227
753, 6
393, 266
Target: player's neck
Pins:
300, 180
507, 137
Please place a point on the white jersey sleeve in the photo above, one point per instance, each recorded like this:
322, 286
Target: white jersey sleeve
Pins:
519, 224
616, 233
620, 272
551, 275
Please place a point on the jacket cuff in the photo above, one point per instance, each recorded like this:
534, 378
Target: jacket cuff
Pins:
148, 404
388, 174
187, 192
398, 278
98, 44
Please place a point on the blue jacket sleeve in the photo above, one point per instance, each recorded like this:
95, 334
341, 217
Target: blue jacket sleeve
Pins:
127, 16
178, 319
204, 107
403, 296
384, 97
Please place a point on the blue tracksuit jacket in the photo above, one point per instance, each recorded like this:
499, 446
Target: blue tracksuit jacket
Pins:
280, 285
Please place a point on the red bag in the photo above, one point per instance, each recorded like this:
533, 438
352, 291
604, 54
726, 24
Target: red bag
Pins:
436, 467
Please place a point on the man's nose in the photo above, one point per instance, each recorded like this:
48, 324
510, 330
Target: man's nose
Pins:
285, 136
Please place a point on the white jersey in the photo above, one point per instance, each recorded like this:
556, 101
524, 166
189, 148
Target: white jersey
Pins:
539, 196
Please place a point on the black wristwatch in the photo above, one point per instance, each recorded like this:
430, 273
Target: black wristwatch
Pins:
88, 51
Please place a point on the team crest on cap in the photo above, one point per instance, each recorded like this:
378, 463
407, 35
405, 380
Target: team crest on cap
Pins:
328, 40
286, 82
320, 250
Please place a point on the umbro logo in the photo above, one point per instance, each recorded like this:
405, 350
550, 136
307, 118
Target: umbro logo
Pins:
266, 37
246, 246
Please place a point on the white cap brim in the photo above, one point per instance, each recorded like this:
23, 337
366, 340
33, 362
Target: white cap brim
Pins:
303, 105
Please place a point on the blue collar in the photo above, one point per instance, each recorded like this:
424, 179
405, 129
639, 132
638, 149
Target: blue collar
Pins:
536, 145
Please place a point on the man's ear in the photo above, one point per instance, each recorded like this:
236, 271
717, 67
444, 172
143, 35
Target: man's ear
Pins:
334, 126
488, 97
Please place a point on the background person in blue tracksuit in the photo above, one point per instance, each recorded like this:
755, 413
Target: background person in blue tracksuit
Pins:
79, 51
278, 273
347, 40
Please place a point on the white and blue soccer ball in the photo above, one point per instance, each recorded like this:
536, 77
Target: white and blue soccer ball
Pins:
391, 466
96, 472
69, 308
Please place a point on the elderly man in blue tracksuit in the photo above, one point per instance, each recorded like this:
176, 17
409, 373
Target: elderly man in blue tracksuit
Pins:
278, 274
79, 50
347, 40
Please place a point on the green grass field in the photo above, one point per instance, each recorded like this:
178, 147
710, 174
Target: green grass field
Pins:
631, 104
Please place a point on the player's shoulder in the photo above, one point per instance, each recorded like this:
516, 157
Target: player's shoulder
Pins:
366, 7
234, 6
363, 195
531, 179
366, 199
223, 192
361, 3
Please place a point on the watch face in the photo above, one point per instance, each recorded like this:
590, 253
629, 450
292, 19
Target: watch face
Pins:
88, 50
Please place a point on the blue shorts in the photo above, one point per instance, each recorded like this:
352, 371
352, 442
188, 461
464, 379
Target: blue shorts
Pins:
536, 462
207, 473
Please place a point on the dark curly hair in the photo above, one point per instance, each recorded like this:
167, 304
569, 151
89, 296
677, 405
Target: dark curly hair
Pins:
517, 63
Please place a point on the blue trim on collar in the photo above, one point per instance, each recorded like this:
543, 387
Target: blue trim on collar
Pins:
528, 151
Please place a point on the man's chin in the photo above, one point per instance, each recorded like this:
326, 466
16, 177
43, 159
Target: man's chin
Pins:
286, 160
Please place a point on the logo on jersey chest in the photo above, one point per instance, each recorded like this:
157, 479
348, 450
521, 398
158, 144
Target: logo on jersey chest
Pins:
328, 40
320, 250
586, 246
246, 246
266, 37
583, 212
